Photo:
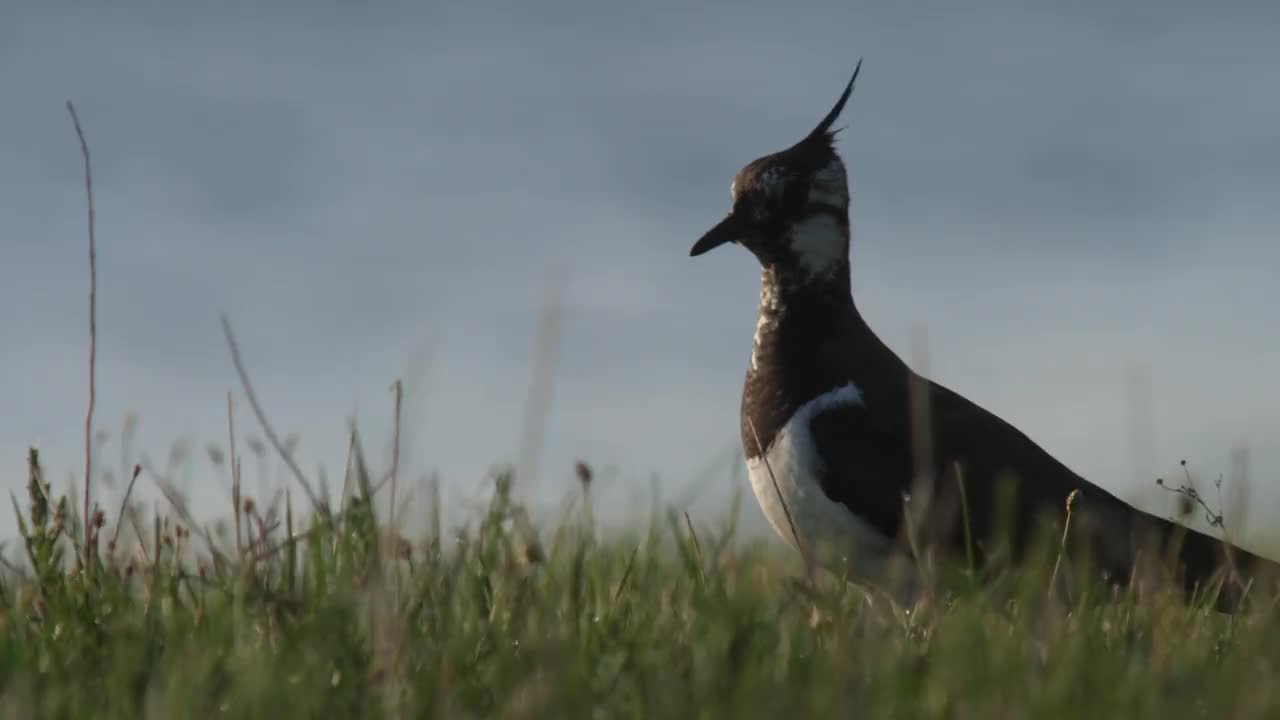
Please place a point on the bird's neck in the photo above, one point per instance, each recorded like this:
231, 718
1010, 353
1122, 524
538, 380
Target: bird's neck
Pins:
803, 318
797, 304
782, 288
807, 307
800, 348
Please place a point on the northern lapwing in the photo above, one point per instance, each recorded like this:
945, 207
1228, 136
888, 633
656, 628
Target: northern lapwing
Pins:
862, 463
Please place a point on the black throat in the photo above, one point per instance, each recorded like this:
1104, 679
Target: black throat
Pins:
810, 339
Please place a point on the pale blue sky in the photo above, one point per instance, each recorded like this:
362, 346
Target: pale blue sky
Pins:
386, 190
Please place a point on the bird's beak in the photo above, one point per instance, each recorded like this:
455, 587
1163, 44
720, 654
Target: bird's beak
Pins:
726, 231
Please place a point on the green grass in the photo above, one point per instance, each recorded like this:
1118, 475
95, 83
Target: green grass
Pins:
342, 621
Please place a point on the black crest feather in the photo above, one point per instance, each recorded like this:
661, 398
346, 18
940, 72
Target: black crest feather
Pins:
823, 133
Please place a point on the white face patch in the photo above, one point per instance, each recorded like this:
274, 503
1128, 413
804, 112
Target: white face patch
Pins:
819, 243
830, 185
828, 532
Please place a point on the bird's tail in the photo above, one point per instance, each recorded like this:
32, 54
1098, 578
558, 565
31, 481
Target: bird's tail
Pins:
1212, 571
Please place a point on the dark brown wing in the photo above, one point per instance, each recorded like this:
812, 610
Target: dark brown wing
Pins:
1115, 533
866, 467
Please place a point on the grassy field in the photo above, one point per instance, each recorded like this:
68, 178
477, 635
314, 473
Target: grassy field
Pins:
338, 618
330, 613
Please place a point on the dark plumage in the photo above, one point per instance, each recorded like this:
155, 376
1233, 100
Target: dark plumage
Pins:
837, 412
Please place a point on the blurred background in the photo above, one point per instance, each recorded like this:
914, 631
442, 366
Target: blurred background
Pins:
1076, 207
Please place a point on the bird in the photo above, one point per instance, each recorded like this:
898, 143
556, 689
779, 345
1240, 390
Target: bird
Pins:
872, 470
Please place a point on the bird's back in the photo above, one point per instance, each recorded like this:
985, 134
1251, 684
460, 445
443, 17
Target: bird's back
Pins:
1117, 536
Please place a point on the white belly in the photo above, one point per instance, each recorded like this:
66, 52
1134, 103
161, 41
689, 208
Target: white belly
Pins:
785, 483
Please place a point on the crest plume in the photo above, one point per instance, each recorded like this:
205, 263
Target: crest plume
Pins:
823, 130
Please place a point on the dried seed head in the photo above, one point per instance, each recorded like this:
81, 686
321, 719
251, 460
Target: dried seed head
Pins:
248, 506
533, 553
1071, 499
37, 489
583, 471
99, 518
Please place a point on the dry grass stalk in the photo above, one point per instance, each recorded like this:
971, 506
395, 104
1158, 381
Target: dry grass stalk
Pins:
93, 336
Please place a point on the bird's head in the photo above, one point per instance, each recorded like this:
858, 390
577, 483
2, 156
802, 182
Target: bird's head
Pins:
791, 208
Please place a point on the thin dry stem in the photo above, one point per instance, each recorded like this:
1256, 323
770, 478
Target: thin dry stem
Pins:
262, 417
124, 503
808, 563
179, 506
697, 548
267, 552
397, 389
626, 575
234, 466
93, 337
964, 516
1062, 545
542, 371
546, 344
920, 414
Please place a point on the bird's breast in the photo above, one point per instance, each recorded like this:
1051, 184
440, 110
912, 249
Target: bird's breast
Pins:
787, 482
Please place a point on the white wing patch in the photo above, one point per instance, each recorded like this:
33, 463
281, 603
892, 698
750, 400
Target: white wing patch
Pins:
828, 532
